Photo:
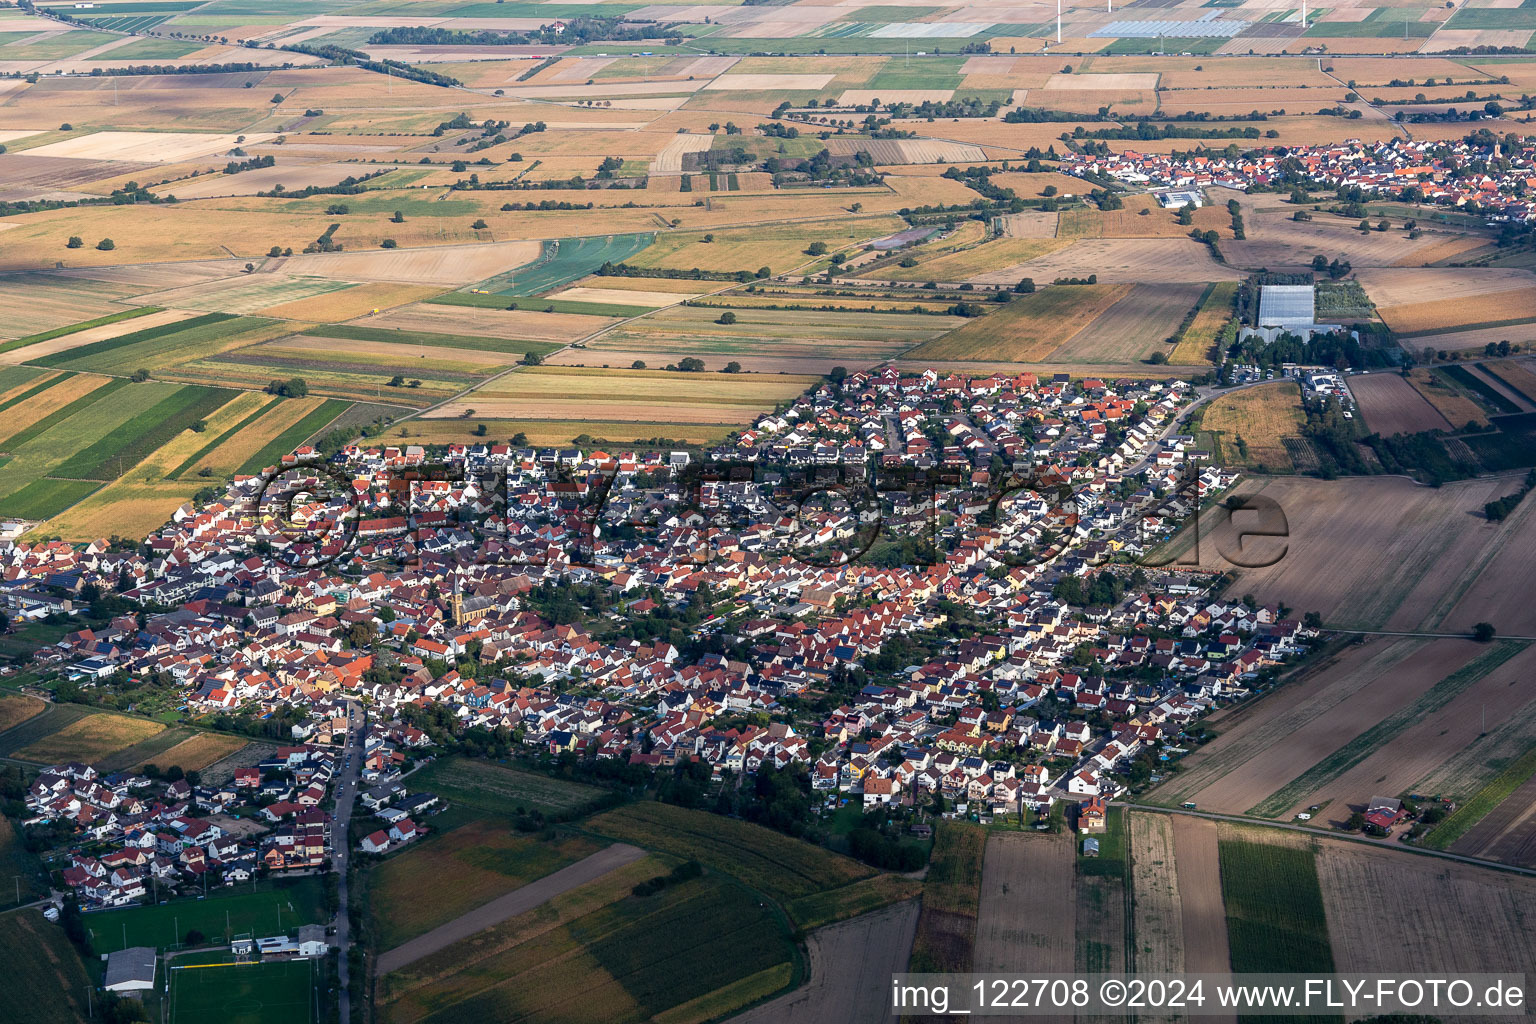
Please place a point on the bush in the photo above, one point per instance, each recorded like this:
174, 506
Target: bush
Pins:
74, 242
479, 225
726, 318
388, 243
106, 245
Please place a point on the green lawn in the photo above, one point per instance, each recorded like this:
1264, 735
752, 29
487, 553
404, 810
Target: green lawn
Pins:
271, 909
267, 992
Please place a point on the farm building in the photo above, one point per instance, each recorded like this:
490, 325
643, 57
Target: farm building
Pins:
1288, 309
1178, 198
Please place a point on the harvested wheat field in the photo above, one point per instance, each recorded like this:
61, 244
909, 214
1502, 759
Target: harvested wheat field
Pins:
350, 303
1132, 260
1457, 408
1028, 904
1390, 405
570, 393
195, 753
16, 708
1374, 552
89, 739
516, 324
1027, 329
1412, 753
1281, 244
1251, 426
146, 147
445, 265
1400, 286
1155, 881
1489, 588
1142, 217
984, 260
1133, 328
1444, 917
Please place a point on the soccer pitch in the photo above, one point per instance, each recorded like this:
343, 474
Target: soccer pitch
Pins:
269, 992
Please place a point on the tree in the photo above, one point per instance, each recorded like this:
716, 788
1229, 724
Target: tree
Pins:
1187, 214
817, 248
837, 374
139, 376
1356, 822
638, 364
478, 225
398, 218
1483, 632
733, 367
106, 245
532, 359
275, 251
74, 242
277, 97
1157, 358
690, 364
388, 243
481, 430
1026, 286
707, 238
397, 381
293, 387
726, 318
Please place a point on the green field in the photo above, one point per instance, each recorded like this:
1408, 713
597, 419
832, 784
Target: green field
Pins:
266, 992
153, 347
46, 724
705, 942
562, 261
946, 928
137, 439
43, 499
1483, 801
269, 910
45, 981
493, 790
1274, 905
772, 862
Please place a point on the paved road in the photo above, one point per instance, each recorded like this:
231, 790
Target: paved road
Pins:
346, 795
519, 901
1404, 847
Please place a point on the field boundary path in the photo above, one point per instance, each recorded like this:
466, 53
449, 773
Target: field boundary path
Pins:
1239, 819
518, 901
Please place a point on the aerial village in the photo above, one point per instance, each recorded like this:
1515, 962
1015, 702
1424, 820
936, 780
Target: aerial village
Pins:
1494, 177
982, 634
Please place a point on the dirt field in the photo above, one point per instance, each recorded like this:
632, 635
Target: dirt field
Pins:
1508, 832
1500, 568
1281, 244
1204, 918
513, 903
1414, 752
1133, 260
1269, 741
1445, 916
1155, 880
1261, 418
1399, 286
850, 971
1390, 405
1029, 328
1027, 904
1133, 328
1385, 553
446, 265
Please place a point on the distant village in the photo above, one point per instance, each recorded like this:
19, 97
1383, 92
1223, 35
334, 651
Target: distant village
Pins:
984, 635
1486, 177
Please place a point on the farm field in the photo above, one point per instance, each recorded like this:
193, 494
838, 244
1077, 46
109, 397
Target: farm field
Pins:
1383, 553
88, 739
947, 925
1121, 261
196, 752
16, 708
1134, 327
48, 982
497, 791
1252, 426
571, 393
1029, 328
1199, 342
1027, 904
435, 880
781, 867
1276, 915
1159, 918
1391, 405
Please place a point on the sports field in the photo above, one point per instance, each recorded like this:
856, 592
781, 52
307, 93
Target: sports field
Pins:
268, 909
260, 992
